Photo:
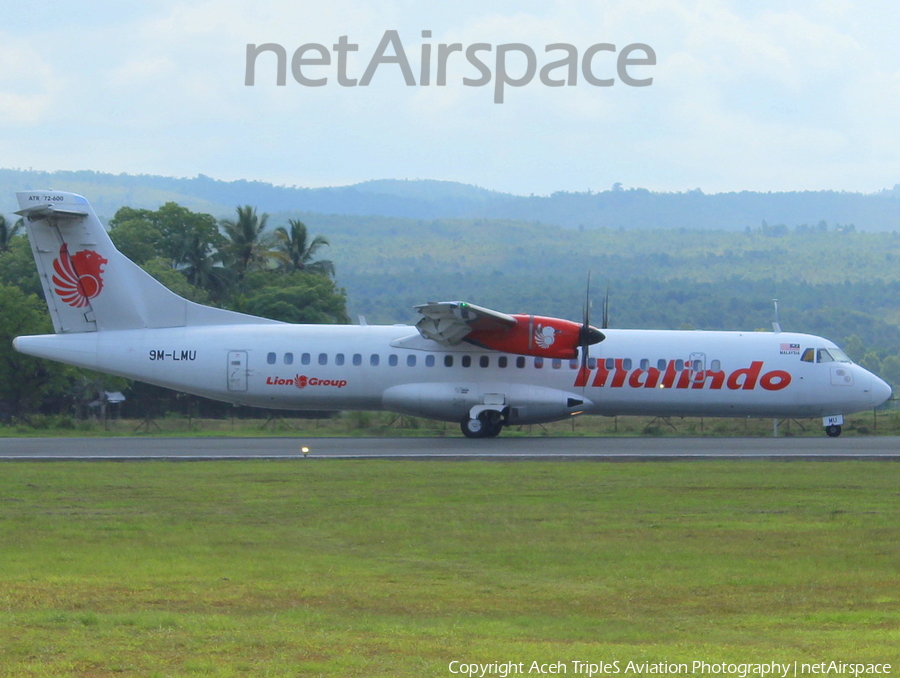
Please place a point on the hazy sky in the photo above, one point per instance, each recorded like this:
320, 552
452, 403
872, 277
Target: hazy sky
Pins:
745, 95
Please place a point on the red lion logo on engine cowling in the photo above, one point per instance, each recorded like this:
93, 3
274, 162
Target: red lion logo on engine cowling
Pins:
78, 278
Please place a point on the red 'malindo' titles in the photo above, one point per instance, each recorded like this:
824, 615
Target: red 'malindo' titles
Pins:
746, 378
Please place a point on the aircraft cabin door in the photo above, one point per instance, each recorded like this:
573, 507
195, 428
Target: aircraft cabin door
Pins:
237, 370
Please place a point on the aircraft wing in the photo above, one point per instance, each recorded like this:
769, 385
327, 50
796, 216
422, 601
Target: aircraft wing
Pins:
449, 322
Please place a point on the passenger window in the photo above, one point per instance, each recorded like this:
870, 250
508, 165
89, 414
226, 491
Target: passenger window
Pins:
538, 362
467, 361
592, 363
626, 364
357, 359
339, 359
448, 361
502, 361
809, 356
374, 360
429, 361
323, 358
610, 363
556, 363
393, 360
661, 364
645, 364
573, 364
679, 365
411, 360
520, 362
484, 361
715, 366
288, 358
305, 358
270, 358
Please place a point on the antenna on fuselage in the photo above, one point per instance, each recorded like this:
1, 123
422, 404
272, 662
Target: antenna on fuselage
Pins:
776, 324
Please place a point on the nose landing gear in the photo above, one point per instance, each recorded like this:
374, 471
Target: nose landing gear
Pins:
833, 425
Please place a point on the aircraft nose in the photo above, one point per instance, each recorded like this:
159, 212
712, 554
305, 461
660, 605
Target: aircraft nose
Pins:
880, 391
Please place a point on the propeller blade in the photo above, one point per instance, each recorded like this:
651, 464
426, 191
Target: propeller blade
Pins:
587, 303
587, 335
605, 322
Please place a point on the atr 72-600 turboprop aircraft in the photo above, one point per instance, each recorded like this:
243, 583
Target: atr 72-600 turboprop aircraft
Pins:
460, 363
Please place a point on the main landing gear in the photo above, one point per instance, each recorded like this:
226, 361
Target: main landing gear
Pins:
833, 431
487, 424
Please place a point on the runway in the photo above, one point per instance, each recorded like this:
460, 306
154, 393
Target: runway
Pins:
871, 448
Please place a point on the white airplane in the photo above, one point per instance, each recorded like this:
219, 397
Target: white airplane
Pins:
460, 363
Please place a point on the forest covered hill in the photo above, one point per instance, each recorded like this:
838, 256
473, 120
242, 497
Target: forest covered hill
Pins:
829, 281
427, 199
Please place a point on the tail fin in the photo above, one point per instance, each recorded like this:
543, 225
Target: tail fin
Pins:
89, 285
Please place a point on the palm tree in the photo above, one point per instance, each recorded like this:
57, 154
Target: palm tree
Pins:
247, 247
7, 232
200, 264
297, 251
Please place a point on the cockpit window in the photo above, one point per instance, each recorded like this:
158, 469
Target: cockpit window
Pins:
839, 355
827, 355
824, 355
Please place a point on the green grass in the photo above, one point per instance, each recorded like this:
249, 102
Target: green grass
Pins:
374, 568
387, 424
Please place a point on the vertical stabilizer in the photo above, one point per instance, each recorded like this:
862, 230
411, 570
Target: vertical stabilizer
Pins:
89, 285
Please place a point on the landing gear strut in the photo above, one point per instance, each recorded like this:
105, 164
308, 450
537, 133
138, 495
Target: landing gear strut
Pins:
487, 424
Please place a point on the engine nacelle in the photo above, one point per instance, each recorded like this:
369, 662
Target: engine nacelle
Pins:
523, 404
533, 335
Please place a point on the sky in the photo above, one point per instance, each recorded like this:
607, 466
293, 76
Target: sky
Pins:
754, 95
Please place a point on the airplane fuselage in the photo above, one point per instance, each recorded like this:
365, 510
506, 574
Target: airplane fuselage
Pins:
327, 367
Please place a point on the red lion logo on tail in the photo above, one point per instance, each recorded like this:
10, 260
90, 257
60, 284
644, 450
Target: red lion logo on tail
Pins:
78, 278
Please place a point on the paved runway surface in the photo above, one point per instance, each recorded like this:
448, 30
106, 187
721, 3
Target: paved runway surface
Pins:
503, 448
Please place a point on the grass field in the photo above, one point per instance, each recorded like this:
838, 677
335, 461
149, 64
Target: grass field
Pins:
375, 568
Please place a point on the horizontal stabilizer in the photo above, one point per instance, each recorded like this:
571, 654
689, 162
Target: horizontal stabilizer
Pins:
50, 212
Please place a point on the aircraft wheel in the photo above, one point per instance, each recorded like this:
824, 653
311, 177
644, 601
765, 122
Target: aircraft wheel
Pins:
474, 428
493, 430
483, 427
833, 431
